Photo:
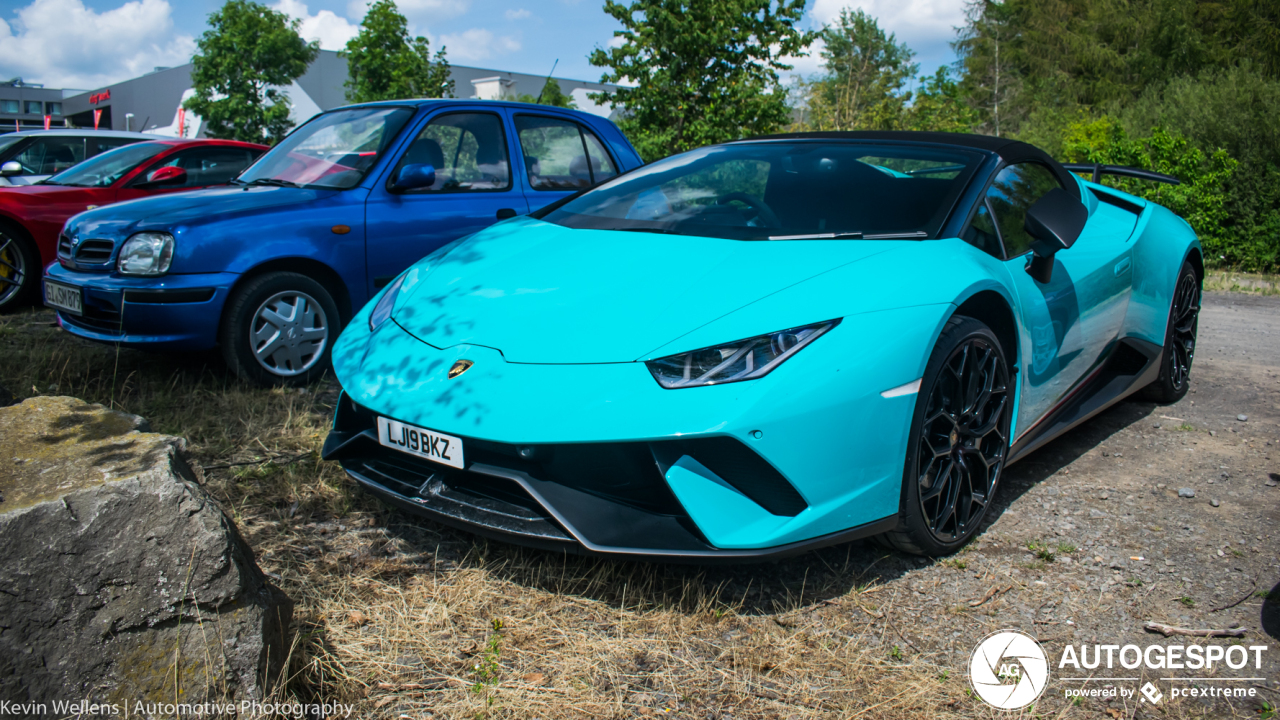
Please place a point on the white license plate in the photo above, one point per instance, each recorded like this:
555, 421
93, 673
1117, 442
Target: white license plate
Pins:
63, 297
426, 444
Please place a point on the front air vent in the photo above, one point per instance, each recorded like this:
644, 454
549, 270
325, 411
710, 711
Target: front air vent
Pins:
94, 252
64, 247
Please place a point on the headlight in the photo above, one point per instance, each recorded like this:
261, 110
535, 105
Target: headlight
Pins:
382, 310
147, 253
743, 360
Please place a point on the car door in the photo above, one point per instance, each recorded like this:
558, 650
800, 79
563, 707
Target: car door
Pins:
205, 166
1071, 321
474, 188
560, 157
47, 156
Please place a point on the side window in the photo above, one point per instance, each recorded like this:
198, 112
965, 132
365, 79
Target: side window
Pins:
51, 155
98, 145
207, 166
561, 155
468, 151
1016, 188
982, 233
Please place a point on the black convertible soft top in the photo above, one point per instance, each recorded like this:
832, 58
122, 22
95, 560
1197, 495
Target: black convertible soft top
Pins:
1010, 151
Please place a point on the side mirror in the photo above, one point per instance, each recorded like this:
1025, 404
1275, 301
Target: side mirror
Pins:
13, 167
413, 176
1054, 223
165, 176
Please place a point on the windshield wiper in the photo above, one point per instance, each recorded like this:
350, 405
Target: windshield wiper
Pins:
917, 235
272, 181
659, 231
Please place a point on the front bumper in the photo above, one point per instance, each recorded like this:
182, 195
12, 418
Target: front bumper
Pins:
609, 499
171, 313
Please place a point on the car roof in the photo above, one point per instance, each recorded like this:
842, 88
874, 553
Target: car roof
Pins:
419, 102
1009, 150
77, 133
182, 142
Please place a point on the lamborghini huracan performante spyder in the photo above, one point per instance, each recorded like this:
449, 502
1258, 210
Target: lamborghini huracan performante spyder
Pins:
765, 346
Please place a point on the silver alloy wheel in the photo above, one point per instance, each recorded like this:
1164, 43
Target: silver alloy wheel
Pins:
289, 333
12, 268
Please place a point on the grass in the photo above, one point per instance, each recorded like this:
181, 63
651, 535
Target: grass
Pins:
1253, 283
1187, 601
1042, 551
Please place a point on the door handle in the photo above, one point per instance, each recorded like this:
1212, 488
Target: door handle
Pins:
1123, 266
504, 213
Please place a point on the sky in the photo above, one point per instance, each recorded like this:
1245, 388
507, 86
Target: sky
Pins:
89, 44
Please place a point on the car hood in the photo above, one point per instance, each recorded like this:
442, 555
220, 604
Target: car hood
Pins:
541, 293
189, 209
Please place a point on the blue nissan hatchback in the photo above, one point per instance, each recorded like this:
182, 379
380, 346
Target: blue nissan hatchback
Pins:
272, 266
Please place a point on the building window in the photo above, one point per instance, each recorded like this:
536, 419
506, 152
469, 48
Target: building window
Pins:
53, 108
9, 106
33, 108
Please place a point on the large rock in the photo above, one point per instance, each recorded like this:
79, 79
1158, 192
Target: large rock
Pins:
122, 580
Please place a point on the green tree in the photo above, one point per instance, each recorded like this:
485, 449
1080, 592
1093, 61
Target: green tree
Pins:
248, 52
938, 105
385, 63
551, 95
866, 76
702, 71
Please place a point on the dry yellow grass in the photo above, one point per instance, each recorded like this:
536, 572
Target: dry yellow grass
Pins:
411, 620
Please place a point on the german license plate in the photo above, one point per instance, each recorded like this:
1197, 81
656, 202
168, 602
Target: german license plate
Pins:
426, 444
63, 297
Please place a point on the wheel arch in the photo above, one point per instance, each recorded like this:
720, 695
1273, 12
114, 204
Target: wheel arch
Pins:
312, 268
994, 310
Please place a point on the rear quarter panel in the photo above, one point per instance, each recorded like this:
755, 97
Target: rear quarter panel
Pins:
1163, 242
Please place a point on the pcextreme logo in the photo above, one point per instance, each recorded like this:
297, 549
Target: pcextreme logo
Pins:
1008, 670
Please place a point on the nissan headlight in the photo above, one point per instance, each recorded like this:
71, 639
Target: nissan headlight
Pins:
147, 254
382, 310
733, 362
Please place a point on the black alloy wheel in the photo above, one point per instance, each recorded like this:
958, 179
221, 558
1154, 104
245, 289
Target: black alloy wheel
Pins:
959, 442
1179, 341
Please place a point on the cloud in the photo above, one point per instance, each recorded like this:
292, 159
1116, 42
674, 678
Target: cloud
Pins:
62, 43
519, 14
923, 24
331, 30
478, 44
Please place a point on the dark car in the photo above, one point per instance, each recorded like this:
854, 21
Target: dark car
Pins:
30, 156
32, 215
272, 267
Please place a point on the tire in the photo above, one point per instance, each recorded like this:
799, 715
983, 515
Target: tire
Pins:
19, 267
1179, 341
963, 407
278, 329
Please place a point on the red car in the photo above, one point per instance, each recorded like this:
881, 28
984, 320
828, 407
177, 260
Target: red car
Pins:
31, 216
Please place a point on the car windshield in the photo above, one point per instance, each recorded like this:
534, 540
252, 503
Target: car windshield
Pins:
333, 150
782, 190
110, 166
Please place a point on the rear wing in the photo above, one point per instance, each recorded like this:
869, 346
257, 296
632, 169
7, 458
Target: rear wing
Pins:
1099, 170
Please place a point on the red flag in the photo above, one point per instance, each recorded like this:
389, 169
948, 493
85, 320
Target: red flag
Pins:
182, 117
47, 120
97, 116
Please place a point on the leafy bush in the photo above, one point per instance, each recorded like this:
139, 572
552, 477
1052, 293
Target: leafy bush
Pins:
1204, 198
